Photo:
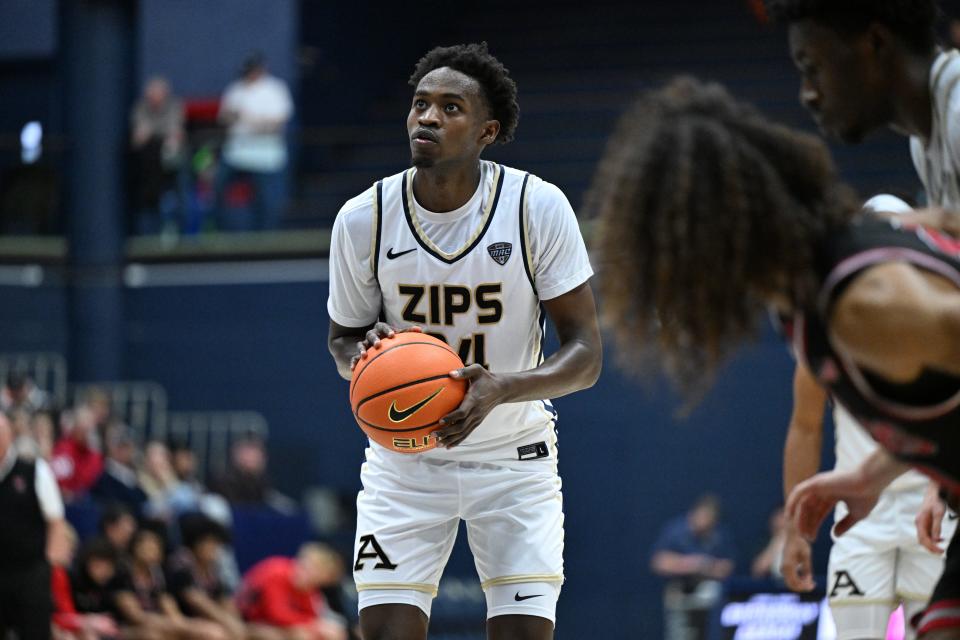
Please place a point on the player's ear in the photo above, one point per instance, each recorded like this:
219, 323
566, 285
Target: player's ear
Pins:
489, 132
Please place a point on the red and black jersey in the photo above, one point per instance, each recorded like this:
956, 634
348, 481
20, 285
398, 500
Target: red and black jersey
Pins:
919, 422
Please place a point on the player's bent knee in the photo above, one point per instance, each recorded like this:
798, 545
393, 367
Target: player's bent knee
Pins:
393, 622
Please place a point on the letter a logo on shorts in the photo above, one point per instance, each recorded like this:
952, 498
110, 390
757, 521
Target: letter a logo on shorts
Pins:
383, 562
845, 581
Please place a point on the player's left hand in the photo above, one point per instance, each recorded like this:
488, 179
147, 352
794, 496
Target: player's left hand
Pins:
811, 501
485, 392
929, 519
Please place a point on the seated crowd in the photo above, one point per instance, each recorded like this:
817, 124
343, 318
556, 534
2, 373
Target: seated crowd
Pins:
161, 564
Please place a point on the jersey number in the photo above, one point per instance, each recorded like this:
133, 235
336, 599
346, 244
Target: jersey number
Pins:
444, 302
476, 343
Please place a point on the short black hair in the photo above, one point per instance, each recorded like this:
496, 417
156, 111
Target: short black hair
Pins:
113, 513
499, 89
96, 548
196, 527
914, 21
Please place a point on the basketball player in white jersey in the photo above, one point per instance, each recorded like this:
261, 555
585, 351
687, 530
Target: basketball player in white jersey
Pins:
470, 251
867, 65
879, 564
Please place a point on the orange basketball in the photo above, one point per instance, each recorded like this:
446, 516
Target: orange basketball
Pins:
402, 388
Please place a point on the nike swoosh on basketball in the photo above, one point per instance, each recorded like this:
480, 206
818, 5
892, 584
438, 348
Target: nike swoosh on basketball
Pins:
391, 255
520, 598
399, 415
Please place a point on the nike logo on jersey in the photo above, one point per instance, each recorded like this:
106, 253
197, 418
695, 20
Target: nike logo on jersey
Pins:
520, 598
391, 255
399, 415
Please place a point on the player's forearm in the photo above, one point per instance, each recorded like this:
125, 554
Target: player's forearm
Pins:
343, 349
575, 366
879, 470
801, 456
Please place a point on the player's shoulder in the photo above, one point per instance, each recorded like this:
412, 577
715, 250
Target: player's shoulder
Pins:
540, 194
357, 211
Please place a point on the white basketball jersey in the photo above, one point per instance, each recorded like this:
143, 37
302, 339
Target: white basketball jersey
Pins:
854, 445
937, 160
479, 298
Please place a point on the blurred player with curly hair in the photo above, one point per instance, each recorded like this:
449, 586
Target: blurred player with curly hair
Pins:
710, 213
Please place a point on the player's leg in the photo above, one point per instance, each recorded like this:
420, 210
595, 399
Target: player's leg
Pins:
514, 516
918, 570
941, 620
406, 526
393, 622
861, 576
519, 628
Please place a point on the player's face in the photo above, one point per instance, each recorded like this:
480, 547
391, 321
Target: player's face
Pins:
841, 81
448, 119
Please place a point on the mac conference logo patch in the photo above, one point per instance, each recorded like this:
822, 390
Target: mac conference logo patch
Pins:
500, 252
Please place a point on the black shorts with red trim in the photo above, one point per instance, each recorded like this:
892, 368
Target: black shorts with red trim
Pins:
943, 612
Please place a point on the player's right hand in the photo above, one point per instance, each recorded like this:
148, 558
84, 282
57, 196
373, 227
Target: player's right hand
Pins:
795, 565
372, 340
929, 520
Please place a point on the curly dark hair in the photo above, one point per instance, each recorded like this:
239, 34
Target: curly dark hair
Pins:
705, 211
914, 21
499, 89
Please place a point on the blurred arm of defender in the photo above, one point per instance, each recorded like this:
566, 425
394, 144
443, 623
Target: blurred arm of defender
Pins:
801, 460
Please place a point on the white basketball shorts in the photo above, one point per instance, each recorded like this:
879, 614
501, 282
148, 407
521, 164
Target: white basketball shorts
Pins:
407, 518
878, 565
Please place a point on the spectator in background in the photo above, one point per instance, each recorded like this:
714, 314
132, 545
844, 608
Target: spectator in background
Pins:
157, 139
31, 513
255, 110
23, 439
20, 392
143, 601
284, 593
119, 482
246, 482
766, 564
117, 526
694, 553
158, 480
96, 579
97, 400
68, 623
76, 461
184, 462
41, 426
195, 576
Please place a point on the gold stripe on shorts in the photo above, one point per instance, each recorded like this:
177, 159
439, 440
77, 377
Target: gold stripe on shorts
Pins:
520, 579
847, 602
399, 586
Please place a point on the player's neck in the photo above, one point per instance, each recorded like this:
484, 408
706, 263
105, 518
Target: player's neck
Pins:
442, 189
912, 101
